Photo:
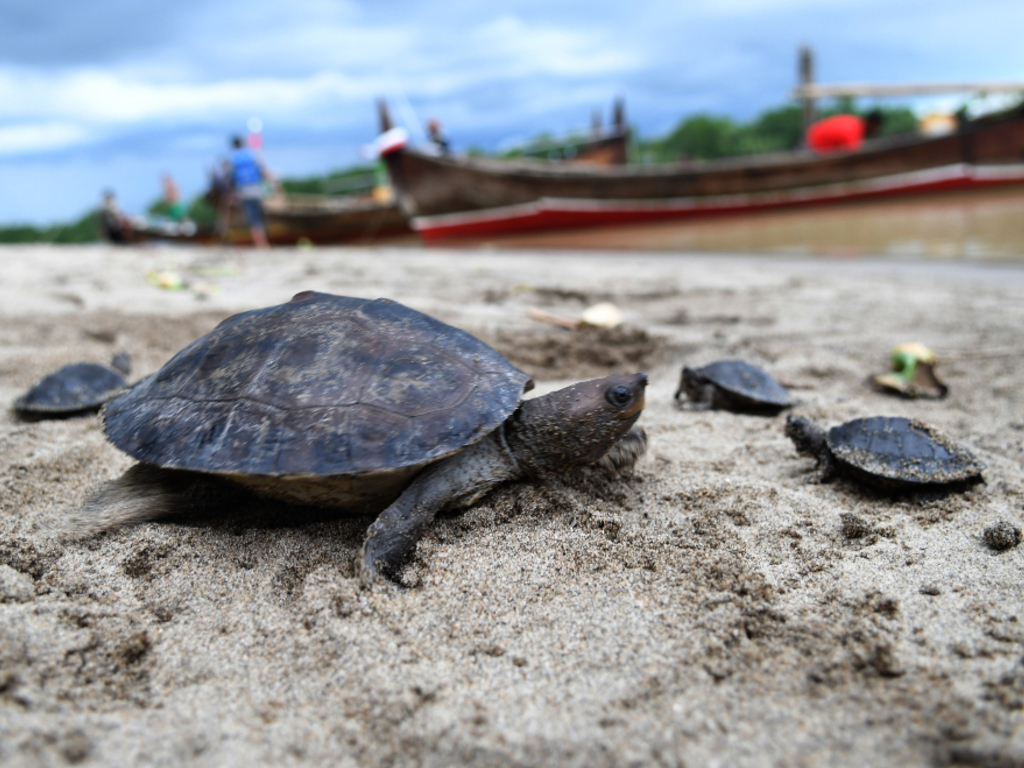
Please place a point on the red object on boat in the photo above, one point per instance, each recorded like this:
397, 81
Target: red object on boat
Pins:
839, 133
392, 140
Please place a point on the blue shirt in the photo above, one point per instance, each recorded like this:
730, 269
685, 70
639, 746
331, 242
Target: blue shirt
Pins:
245, 170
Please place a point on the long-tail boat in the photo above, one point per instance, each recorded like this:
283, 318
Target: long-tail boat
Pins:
472, 197
323, 219
291, 218
320, 219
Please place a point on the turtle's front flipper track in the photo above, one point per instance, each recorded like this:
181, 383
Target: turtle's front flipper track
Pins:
455, 482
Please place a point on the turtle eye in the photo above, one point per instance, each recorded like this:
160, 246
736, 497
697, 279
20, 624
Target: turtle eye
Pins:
619, 395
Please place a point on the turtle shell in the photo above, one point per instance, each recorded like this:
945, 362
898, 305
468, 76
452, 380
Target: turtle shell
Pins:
747, 382
321, 386
902, 451
73, 389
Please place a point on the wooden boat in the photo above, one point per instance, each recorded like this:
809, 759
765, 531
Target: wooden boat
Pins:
290, 219
142, 229
322, 220
473, 197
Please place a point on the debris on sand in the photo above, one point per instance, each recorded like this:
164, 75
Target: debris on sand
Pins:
913, 373
603, 315
1002, 536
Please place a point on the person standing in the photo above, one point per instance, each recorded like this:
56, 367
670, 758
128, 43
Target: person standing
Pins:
114, 225
247, 178
437, 137
177, 211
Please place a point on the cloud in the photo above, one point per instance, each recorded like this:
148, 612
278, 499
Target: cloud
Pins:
104, 97
519, 49
40, 137
498, 58
88, 84
67, 32
322, 64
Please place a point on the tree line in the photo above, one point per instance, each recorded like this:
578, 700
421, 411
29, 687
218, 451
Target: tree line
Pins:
709, 137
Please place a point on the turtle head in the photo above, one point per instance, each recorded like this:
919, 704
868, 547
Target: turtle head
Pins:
577, 425
692, 384
808, 438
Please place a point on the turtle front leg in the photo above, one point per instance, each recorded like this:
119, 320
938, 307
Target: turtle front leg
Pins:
395, 532
455, 482
827, 469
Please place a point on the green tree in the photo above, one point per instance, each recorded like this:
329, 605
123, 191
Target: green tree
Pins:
83, 230
348, 181
898, 120
701, 137
23, 233
707, 137
201, 212
780, 128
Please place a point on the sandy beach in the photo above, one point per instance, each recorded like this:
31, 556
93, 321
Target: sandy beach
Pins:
713, 609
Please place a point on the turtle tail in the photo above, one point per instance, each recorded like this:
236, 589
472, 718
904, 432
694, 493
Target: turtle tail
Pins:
141, 494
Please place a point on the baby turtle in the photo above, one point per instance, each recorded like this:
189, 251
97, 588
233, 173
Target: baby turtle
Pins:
888, 452
358, 405
75, 389
735, 386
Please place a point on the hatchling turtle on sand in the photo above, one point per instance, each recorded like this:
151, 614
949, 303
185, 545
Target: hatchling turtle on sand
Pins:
735, 386
355, 404
888, 452
74, 389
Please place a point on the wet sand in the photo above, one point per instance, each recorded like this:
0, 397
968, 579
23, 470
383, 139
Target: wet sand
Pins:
712, 609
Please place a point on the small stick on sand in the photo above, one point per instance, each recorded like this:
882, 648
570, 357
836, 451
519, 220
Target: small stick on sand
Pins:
603, 315
547, 317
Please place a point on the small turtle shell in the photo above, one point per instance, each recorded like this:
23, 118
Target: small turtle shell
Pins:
75, 388
321, 386
751, 385
902, 451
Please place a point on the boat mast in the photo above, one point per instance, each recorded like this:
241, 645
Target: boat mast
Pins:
806, 75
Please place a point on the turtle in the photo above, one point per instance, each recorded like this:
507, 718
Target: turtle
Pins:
358, 405
75, 389
888, 452
734, 385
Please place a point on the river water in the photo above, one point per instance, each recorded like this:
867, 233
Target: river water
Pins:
977, 225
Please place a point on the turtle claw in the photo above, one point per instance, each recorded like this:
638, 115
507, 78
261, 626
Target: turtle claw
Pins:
377, 562
366, 571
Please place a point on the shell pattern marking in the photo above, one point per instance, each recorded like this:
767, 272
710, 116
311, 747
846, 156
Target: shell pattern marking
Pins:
322, 385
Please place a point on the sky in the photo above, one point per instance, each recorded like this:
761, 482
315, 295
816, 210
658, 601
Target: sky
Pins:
114, 93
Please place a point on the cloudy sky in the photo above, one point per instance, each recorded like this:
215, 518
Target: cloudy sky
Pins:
116, 92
